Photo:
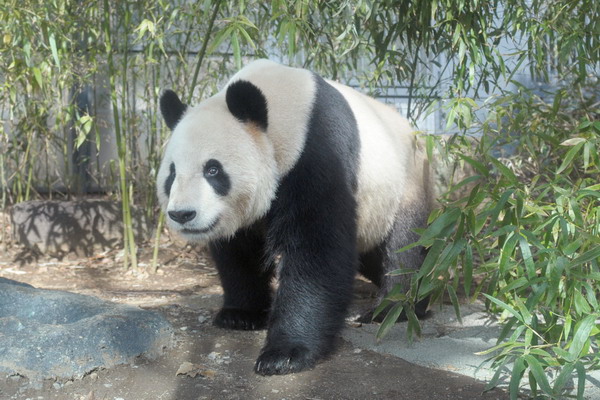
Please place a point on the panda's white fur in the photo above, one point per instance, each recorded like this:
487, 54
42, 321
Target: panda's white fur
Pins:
389, 174
391, 166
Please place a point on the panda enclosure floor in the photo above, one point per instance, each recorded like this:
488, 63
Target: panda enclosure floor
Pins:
216, 364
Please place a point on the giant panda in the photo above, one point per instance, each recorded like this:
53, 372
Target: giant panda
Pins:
285, 174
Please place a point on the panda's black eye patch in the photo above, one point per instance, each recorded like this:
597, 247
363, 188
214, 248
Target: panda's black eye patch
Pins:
170, 179
217, 177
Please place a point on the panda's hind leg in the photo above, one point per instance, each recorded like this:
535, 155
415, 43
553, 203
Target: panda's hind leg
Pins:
246, 281
370, 265
402, 234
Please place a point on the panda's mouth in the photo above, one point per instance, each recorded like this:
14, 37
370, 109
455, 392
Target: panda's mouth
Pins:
209, 228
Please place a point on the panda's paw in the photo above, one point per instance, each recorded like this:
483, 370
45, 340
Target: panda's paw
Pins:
239, 319
281, 360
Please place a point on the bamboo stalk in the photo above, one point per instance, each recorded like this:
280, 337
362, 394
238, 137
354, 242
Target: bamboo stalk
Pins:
159, 225
129, 245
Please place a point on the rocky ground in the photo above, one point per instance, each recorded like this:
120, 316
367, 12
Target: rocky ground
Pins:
205, 362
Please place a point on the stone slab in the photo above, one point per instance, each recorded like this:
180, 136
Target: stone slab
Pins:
55, 334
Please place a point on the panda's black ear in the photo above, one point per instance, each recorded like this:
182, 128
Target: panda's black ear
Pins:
247, 103
172, 108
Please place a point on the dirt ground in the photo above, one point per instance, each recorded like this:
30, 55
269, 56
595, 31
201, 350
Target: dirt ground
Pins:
213, 363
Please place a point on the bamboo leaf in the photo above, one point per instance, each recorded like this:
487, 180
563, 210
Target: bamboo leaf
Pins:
527, 317
462, 49
468, 269
448, 218
569, 157
533, 385
505, 306
506, 329
573, 141
247, 37
54, 50
582, 334
590, 293
413, 323
516, 284
218, 39
400, 271
567, 326
476, 164
527, 257
507, 251
382, 306
473, 195
237, 55
433, 255
505, 171
450, 254
563, 377
429, 142
581, 305
588, 256
580, 379
515, 378
538, 373
564, 354
455, 303
494, 381
389, 320
499, 206
38, 76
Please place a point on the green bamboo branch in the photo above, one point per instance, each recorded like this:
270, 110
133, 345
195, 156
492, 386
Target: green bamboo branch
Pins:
202, 53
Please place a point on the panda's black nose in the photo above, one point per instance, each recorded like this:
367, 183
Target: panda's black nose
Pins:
182, 216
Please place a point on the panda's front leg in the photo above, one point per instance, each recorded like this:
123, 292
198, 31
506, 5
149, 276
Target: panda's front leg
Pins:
246, 281
315, 273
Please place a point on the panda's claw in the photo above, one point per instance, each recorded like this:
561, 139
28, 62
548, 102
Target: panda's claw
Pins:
239, 319
284, 360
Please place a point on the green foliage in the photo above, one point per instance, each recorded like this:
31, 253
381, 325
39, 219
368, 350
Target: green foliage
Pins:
532, 221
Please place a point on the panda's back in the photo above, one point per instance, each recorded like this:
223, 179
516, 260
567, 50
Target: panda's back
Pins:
390, 175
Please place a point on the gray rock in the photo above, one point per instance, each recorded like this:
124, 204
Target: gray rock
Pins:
54, 334
82, 227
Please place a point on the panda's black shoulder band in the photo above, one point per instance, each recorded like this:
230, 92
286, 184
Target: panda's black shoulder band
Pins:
247, 103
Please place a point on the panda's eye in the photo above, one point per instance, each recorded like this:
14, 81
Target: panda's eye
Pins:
212, 168
212, 171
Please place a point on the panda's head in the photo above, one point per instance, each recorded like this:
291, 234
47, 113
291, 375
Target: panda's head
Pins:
218, 173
